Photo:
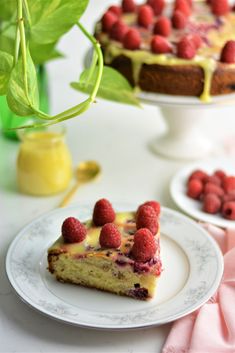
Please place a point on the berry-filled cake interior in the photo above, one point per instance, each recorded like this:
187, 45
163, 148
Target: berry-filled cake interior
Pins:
118, 252
182, 48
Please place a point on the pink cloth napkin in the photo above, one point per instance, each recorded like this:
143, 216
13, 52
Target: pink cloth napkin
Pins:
210, 329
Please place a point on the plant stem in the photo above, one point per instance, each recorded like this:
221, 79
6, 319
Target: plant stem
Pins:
17, 45
26, 7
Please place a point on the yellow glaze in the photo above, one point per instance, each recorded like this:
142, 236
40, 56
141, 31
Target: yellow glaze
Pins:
44, 164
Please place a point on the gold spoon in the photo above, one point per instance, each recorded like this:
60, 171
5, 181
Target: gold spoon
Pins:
85, 172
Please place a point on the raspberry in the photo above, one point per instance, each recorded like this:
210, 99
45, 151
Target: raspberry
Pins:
73, 231
198, 174
220, 174
179, 20
228, 210
195, 188
128, 6
154, 204
162, 27
144, 247
132, 39
146, 218
229, 184
118, 30
160, 45
197, 40
116, 10
213, 179
110, 237
145, 16
157, 6
220, 7
103, 213
211, 204
229, 197
186, 49
108, 19
210, 188
228, 53
183, 6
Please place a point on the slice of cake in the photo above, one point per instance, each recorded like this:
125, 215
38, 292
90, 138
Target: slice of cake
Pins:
179, 48
114, 252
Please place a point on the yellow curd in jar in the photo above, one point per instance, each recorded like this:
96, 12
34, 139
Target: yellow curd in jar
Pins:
44, 165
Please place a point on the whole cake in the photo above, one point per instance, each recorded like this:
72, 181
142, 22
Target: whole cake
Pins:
181, 48
114, 252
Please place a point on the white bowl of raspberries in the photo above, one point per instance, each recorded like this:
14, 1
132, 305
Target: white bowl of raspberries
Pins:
206, 191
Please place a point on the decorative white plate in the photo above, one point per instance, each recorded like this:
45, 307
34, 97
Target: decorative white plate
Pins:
193, 207
193, 267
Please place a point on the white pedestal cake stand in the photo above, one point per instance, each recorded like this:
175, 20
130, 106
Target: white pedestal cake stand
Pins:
184, 138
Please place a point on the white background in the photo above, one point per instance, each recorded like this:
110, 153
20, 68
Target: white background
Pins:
118, 136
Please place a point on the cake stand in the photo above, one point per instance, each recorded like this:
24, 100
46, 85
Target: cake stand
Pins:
184, 138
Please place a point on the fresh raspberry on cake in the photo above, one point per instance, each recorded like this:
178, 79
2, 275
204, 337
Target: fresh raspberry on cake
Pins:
128, 6
162, 26
197, 40
228, 53
103, 213
211, 203
179, 20
186, 49
183, 6
108, 19
195, 188
118, 30
117, 10
160, 45
146, 218
145, 16
132, 39
220, 7
144, 247
228, 210
229, 184
157, 6
154, 204
110, 237
73, 231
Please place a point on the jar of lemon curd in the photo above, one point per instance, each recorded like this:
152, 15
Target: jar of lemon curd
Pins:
44, 165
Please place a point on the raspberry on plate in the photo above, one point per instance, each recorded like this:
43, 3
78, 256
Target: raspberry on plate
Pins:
195, 188
228, 210
73, 231
210, 188
110, 237
229, 184
144, 246
211, 203
198, 174
146, 218
103, 213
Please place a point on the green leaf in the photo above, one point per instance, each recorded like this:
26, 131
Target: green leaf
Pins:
43, 53
7, 9
7, 44
23, 100
6, 64
50, 19
113, 86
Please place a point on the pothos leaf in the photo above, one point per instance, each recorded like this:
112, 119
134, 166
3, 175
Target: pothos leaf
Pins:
7, 9
21, 100
6, 64
113, 86
43, 52
51, 19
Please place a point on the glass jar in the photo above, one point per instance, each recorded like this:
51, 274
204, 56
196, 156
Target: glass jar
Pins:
44, 165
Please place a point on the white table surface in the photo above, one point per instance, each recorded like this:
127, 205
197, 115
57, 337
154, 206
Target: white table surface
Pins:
118, 137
